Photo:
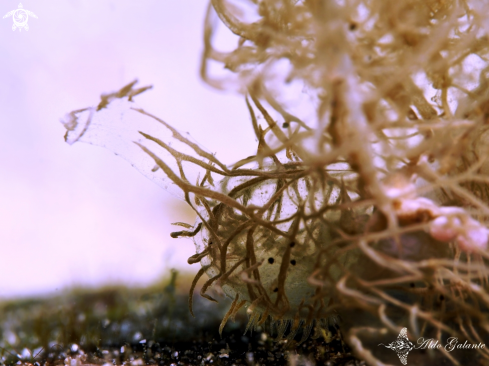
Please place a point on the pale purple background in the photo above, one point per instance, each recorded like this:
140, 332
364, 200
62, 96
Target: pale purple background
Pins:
79, 215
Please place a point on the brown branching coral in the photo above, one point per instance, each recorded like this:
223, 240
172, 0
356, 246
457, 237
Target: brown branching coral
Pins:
368, 194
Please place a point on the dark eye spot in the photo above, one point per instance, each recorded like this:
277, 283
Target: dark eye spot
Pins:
353, 26
293, 262
292, 244
210, 242
271, 260
285, 125
275, 289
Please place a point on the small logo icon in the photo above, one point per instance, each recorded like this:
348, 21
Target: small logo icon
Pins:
20, 16
401, 346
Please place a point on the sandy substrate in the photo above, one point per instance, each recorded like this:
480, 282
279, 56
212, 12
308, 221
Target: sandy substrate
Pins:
152, 326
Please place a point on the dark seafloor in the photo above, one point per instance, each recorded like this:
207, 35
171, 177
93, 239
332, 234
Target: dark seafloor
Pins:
146, 326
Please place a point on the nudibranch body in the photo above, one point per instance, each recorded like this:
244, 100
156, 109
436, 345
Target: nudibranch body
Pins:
262, 229
266, 266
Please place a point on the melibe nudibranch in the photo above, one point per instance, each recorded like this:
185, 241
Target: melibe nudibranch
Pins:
262, 227
293, 239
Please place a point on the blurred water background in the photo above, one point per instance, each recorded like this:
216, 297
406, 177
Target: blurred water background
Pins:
79, 215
